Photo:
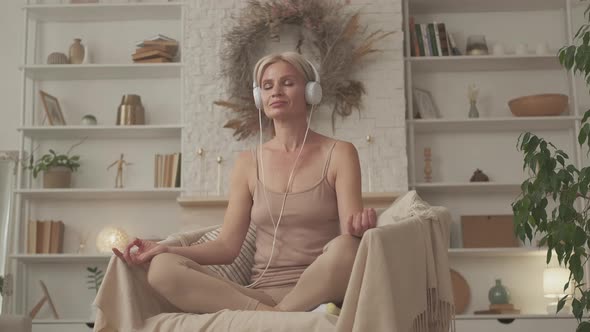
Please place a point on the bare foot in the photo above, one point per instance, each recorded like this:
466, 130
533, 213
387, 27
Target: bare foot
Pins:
263, 307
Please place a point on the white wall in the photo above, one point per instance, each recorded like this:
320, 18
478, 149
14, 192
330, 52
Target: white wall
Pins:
11, 22
382, 115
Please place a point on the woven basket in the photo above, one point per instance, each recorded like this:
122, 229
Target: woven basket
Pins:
547, 104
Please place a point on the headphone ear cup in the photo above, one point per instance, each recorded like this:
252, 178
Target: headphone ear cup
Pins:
257, 97
313, 93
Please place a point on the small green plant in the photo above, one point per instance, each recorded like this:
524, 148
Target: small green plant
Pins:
52, 159
1, 284
95, 276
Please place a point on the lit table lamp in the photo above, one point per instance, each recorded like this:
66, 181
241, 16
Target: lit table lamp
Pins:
111, 237
554, 279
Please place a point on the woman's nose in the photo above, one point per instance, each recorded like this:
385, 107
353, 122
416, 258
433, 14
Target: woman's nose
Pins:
276, 90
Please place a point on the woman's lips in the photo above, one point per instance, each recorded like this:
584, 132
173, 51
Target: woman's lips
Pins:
278, 103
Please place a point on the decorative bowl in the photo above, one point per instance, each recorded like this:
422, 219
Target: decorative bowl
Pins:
545, 104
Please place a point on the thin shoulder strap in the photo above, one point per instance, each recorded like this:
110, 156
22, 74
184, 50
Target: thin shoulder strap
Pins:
255, 156
328, 159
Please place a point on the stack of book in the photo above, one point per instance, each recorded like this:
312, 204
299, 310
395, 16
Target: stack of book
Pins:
45, 237
431, 39
167, 170
158, 48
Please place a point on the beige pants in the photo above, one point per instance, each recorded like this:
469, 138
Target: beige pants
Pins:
194, 288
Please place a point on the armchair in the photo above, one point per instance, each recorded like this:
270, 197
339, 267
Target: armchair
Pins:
400, 282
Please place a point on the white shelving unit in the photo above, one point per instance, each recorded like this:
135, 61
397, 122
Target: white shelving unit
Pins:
483, 63
460, 144
103, 132
92, 203
102, 71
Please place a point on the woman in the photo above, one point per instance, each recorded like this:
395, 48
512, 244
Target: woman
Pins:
320, 224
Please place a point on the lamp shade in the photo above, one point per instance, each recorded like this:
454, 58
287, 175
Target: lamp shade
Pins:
554, 279
111, 237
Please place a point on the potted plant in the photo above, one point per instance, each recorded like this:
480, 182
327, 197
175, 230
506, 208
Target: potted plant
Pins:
94, 280
556, 183
57, 169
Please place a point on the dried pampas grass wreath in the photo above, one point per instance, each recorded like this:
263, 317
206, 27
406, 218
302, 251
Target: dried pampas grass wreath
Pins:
337, 38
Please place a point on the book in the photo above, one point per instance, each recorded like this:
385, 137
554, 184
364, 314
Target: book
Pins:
168, 49
432, 40
414, 49
444, 40
454, 49
177, 182
153, 60
437, 39
154, 38
56, 239
419, 33
425, 41
46, 239
151, 54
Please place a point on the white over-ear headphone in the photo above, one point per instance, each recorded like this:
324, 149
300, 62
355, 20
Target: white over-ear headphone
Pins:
313, 89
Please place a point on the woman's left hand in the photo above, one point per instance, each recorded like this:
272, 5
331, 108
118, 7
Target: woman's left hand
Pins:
359, 223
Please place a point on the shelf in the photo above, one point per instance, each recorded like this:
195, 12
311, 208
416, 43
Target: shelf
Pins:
105, 12
102, 71
425, 126
61, 258
467, 187
59, 321
376, 198
466, 6
497, 252
101, 193
110, 132
476, 63
514, 316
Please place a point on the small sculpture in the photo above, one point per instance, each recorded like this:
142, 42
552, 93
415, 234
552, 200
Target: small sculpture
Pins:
479, 176
120, 163
472, 93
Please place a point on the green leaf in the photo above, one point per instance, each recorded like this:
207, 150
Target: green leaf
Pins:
583, 326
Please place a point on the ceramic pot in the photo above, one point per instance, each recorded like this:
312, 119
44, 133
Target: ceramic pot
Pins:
57, 177
498, 294
130, 111
77, 52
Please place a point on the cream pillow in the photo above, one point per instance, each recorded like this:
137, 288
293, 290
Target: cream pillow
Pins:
240, 270
408, 205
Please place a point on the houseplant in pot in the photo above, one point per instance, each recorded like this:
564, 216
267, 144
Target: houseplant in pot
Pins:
555, 199
57, 169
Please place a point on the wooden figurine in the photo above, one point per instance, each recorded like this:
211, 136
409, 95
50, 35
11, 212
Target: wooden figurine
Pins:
120, 163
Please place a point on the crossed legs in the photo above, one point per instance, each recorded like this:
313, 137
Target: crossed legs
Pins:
194, 288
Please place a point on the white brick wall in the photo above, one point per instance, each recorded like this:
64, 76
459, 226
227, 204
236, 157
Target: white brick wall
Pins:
382, 115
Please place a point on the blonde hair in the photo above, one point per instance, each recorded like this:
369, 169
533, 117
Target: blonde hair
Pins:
296, 60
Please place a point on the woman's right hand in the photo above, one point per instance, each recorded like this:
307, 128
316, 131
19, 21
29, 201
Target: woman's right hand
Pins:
146, 250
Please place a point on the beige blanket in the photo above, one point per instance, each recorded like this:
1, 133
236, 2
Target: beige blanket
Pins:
400, 282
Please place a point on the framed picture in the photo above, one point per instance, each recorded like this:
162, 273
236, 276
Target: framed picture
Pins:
424, 106
52, 109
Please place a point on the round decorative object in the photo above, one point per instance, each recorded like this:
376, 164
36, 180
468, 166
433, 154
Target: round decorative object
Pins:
479, 176
476, 45
336, 38
111, 237
57, 58
89, 120
461, 292
498, 294
130, 111
76, 52
546, 104
57, 177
